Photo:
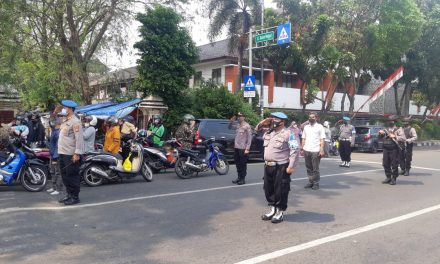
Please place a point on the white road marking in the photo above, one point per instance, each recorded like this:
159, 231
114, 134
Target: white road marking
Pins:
59, 208
380, 163
324, 240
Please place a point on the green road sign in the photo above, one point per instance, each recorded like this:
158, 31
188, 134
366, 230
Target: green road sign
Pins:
264, 37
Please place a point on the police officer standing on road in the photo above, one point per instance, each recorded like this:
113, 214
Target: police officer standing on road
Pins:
392, 136
347, 135
70, 149
281, 157
411, 137
242, 145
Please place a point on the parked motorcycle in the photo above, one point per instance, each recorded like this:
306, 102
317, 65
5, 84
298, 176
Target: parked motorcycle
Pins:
191, 162
161, 158
26, 168
100, 166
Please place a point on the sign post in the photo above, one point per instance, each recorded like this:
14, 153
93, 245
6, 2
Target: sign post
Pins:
249, 86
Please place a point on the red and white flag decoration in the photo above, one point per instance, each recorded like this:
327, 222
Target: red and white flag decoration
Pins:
435, 110
387, 84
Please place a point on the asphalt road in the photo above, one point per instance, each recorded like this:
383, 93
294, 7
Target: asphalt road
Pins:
353, 218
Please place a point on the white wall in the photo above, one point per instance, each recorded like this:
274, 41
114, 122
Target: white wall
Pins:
206, 70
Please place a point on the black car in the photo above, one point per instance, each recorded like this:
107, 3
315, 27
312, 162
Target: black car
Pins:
219, 130
367, 138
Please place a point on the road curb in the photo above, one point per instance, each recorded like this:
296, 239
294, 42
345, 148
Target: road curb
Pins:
428, 143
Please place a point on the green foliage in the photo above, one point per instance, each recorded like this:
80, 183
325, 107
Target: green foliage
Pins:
167, 53
213, 101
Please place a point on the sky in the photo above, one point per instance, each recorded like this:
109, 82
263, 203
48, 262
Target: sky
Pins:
198, 29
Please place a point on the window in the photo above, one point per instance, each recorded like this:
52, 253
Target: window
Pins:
217, 75
198, 78
287, 80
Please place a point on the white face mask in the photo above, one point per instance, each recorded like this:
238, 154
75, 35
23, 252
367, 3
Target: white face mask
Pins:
86, 125
63, 112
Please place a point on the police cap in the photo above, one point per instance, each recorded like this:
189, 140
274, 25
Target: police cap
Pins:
346, 118
69, 103
279, 115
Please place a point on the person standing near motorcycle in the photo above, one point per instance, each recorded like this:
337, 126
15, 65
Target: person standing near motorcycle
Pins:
242, 145
411, 137
157, 132
89, 133
347, 135
70, 149
281, 158
112, 142
185, 132
128, 129
392, 136
38, 131
7, 149
57, 181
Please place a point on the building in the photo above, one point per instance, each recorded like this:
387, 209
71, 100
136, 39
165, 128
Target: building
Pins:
9, 103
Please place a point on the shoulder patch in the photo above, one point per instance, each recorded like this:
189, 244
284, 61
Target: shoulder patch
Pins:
76, 127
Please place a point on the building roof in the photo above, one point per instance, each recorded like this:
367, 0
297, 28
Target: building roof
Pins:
215, 50
122, 74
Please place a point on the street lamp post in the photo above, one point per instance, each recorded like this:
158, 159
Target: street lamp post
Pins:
262, 65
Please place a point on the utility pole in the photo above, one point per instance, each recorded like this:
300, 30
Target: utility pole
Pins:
262, 65
250, 59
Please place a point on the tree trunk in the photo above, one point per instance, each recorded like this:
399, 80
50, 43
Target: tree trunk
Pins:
343, 104
404, 98
240, 66
396, 99
424, 113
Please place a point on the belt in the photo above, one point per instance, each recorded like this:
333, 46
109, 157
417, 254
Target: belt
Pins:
275, 163
344, 139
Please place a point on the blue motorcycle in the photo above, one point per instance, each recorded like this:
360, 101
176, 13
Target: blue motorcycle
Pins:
26, 168
191, 162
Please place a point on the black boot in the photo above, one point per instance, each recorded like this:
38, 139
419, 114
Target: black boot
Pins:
236, 180
62, 200
241, 182
406, 172
72, 200
387, 180
393, 180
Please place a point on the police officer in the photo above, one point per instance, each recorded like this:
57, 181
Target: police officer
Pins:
411, 137
392, 136
70, 149
242, 145
346, 140
185, 132
281, 157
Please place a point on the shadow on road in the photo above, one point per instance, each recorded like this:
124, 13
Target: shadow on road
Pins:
304, 217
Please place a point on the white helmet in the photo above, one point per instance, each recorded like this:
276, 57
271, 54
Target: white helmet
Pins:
94, 121
326, 123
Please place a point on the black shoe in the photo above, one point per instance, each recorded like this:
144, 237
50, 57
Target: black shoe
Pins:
278, 217
241, 182
236, 181
406, 173
315, 186
268, 216
393, 181
62, 200
387, 180
308, 186
72, 201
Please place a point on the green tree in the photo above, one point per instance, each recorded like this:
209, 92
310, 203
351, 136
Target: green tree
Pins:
167, 53
237, 16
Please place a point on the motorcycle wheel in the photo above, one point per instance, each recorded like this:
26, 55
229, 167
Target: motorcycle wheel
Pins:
146, 172
183, 171
89, 178
221, 166
37, 184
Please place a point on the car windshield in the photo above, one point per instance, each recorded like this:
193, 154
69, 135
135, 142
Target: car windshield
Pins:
362, 130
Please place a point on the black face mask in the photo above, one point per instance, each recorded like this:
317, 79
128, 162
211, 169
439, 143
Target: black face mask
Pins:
391, 124
345, 123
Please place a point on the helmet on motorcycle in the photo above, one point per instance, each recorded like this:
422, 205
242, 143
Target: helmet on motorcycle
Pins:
142, 133
113, 120
129, 119
187, 118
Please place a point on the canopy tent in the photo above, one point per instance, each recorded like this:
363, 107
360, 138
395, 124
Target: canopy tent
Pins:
87, 108
119, 110
106, 109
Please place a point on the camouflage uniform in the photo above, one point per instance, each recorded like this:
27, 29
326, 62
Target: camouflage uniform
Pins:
185, 134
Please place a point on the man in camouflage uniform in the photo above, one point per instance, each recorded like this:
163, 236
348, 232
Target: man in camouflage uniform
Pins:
185, 132
393, 136
281, 153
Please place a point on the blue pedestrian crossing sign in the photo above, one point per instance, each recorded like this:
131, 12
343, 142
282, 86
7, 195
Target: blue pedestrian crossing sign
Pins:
249, 83
283, 34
